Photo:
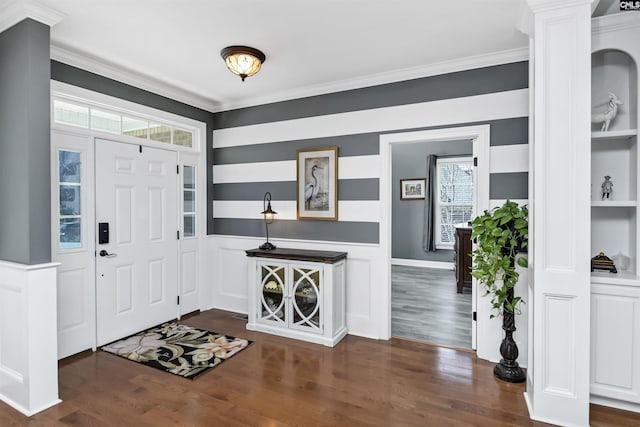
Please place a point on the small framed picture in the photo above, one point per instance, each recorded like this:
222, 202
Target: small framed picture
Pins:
317, 183
412, 189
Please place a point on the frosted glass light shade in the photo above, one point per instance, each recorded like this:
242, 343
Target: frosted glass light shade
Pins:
243, 61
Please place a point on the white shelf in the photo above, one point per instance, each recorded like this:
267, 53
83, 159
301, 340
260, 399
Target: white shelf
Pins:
614, 134
620, 278
614, 204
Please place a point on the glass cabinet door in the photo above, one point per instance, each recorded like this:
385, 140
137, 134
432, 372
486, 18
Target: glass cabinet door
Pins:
306, 298
272, 294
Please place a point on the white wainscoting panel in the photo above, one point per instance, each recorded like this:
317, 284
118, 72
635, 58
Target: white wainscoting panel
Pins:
72, 296
228, 270
228, 279
359, 302
28, 336
560, 344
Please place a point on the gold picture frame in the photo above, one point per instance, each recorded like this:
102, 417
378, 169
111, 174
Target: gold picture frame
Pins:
317, 183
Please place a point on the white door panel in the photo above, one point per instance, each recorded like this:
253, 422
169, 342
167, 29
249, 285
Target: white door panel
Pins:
137, 282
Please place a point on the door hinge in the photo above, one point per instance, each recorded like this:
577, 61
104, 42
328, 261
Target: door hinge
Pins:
178, 234
178, 169
178, 299
140, 148
475, 161
475, 316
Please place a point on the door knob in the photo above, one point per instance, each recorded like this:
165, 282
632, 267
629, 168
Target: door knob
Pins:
107, 254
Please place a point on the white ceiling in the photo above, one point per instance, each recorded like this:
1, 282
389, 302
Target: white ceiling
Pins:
312, 46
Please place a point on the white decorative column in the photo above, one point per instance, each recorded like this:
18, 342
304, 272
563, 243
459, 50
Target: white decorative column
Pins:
558, 375
28, 336
28, 309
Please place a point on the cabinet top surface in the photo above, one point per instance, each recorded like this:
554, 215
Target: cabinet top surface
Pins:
327, 257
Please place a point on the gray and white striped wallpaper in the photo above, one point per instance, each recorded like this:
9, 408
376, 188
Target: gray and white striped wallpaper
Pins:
255, 148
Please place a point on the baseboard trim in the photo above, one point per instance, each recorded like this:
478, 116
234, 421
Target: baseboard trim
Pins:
25, 411
615, 403
422, 263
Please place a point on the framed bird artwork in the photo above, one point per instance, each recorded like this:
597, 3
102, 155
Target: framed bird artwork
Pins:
317, 183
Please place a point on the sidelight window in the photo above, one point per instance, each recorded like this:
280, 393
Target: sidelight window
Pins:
70, 197
189, 201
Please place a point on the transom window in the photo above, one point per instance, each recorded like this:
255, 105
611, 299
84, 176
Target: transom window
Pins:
90, 117
454, 198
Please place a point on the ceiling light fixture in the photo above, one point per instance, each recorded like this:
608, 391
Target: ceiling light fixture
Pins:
243, 61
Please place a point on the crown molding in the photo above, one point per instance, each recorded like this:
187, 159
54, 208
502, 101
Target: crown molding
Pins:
550, 5
615, 22
98, 66
16, 11
86, 62
445, 67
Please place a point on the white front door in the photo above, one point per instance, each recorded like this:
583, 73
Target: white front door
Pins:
137, 260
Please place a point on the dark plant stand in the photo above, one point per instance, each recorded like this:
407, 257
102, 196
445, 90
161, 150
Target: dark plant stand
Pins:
508, 369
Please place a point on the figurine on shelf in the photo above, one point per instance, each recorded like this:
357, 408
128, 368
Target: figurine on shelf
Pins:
603, 262
607, 188
606, 117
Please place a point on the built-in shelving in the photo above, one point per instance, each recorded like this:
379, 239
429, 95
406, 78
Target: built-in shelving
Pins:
615, 221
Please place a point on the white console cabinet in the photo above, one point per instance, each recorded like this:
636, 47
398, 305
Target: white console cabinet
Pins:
298, 294
615, 220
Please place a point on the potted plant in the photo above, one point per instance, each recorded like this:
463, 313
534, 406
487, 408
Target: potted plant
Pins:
500, 235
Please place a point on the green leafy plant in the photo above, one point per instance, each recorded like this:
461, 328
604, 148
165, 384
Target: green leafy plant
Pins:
500, 234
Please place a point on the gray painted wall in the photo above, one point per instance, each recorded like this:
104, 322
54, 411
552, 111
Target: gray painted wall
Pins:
25, 218
446, 86
409, 161
466, 83
472, 82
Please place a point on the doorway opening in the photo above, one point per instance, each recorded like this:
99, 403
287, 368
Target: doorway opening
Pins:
477, 139
430, 300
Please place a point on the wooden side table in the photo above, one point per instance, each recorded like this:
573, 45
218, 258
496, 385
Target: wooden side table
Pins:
463, 257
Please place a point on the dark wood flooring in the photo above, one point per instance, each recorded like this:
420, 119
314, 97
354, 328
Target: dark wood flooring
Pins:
425, 306
283, 382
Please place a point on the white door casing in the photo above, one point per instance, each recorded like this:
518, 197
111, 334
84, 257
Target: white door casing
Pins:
136, 194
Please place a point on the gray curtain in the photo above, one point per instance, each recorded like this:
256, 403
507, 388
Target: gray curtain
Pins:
428, 236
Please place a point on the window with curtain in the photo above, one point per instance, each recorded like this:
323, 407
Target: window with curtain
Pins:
454, 198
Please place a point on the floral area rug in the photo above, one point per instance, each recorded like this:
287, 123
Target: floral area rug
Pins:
178, 349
